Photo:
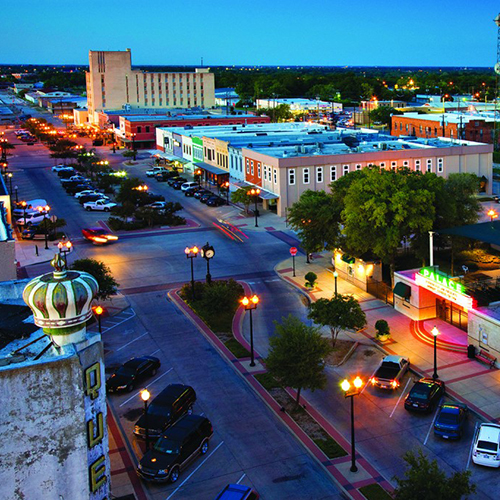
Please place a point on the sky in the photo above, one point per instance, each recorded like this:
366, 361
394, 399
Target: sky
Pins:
256, 32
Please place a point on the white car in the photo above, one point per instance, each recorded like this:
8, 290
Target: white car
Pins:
86, 192
486, 446
32, 219
60, 168
155, 170
188, 185
31, 207
102, 205
157, 205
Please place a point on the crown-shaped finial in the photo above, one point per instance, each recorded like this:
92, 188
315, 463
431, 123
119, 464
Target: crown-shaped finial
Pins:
58, 264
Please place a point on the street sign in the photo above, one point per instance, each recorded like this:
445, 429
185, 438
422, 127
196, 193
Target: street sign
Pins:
293, 251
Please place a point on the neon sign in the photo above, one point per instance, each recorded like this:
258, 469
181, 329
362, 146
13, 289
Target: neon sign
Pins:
443, 286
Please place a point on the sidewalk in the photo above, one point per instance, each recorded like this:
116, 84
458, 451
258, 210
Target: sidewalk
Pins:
466, 379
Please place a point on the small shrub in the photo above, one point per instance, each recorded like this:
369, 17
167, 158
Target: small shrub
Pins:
382, 328
310, 278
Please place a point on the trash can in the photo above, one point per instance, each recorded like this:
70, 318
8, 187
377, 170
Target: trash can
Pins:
471, 351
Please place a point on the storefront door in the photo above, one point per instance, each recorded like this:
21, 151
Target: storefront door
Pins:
451, 313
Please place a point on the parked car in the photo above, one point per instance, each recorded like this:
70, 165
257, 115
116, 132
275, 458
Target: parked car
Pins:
450, 420
172, 180
187, 185
198, 194
163, 176
205, 197
102, 205
191, 191
66, 174
158, 205
486, 446
98, 235
33, 232
86, 192
31, 207
156, 170
126, 376
390, 372
425, 395
92, 197
175, 450
173, 402
72, 189
34, 218
215, 201
60, 168
155, 197
237, 492
75, 178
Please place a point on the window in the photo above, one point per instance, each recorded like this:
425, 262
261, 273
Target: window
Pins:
305, 176
275, 176
147, 128
382, 164
139, 130
251, 167
429, 165
291, 177
406, 163
248, 166
258, 170
319, 175
265, 172
345, 169
358, 166
440, 167
417, 165
394, 165
333, 173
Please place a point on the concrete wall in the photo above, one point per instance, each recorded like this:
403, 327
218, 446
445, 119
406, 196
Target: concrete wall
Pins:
8, 269
483, 332
422, 303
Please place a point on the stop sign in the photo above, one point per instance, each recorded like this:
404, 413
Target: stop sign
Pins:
293, 251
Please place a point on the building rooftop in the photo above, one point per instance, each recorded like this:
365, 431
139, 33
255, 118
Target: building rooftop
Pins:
138, 118
450, 117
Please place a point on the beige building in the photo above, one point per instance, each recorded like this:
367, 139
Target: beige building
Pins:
112, 84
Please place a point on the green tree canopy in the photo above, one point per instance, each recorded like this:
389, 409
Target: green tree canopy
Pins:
241, 196
101, 272
341, 312
296, 355
424, 479
383, 114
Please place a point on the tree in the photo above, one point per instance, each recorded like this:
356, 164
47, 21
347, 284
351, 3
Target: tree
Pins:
241, 196
296, 355
101, 272
424, 479
341, 312
316, 219
130, 154
383, 114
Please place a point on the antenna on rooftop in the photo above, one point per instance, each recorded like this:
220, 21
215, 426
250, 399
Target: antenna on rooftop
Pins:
202, 62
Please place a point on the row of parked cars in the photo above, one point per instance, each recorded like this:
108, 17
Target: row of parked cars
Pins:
195, 190
180, 436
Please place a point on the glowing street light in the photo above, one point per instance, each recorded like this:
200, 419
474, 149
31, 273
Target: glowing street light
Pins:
435, 333
145, 395
492, 214
250, 303
192, 253
350, 393
255, 193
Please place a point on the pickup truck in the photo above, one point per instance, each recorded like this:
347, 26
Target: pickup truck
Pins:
390, 372
103, 205
155, 170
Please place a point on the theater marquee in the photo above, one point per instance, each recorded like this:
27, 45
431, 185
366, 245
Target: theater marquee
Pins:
442, 285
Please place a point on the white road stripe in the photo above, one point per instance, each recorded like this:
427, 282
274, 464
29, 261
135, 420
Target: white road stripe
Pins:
432, 423
157, 350
128, 343
183, 482
399, 399
240, 479
152, 382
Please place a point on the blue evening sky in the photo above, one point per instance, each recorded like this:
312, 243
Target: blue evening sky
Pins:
260, 32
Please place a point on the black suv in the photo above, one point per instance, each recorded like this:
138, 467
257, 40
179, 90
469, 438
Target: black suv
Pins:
165, 409
425, 395
181, 444
126, 376
175, 179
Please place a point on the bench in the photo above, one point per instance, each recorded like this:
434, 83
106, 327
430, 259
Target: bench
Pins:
486, 358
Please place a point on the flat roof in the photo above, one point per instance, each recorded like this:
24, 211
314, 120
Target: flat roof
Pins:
449, 117
138, 118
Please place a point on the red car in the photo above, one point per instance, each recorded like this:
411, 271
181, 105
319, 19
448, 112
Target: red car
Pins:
98, 235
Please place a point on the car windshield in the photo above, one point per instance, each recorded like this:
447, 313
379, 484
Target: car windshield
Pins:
165, 445
420, 392
448, 418
127, 372
487, 445
158, 410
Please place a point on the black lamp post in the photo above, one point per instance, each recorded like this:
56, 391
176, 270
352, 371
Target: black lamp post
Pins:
255, 193
15, 191
40, 209
64, 248
145, 395
9, 175
225, 185
23, 204
207, 252
250, 303
192, 253
133, 143
197, 173
350, 393
335, 275
435, 333
98, 310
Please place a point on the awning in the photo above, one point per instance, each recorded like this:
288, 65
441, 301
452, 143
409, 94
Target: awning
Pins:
264, 195
489, 232
348, 259
211, 168
402, 290
154, 152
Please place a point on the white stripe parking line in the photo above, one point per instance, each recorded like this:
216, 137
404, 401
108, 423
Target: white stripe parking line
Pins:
399, 399
183, 482
152, 382
432, 423
239, 480
472, 446
157, 350
128, 343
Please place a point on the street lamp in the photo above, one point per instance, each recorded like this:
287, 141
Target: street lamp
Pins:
15, 190
98, 310
335, 275
492, 214
45, 209
64, 248
9, 175
250, 303
435, 333
133, 143
192, 253
225, 185
145, 395
255, 193
207, 252
23, 204
198, 173
350, 393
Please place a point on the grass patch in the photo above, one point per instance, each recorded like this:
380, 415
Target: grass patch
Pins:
375, 492
331, 448
236, 348
267, 381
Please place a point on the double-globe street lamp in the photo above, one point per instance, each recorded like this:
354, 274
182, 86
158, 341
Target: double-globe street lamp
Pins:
350, 392
45, 210
64, 248
254, 192
225, 185
435, 333
250, 303
145, 395
192, 253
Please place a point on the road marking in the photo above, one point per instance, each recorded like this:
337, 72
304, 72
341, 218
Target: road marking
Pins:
364, 387
239, 480
152, 382
432, 423
183, 482
472, 445
128, 343
399, 399
157, 350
